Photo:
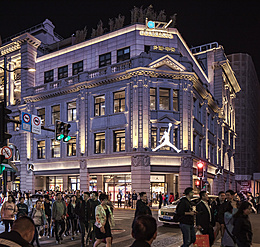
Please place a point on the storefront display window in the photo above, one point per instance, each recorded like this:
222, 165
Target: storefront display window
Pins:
54, 183
74, 183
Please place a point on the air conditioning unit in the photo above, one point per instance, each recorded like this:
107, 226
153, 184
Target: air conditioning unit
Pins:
30, 167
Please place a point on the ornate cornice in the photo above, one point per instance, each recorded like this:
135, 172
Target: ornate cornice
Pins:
16, 43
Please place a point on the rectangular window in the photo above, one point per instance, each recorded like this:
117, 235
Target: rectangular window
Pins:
99, 143
119, 141
153, 98
63, 72
161, 135
100, 105
175, 137
105, 59
16, 125
72, 111
41, 150
48, 76
175, 100
119, 101
154, 138
55, 113
164, 96
72, 147
41, 114
55, 149
77, 67
123, 54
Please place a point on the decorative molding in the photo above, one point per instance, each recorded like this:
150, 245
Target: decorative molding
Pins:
168, 61
140, 160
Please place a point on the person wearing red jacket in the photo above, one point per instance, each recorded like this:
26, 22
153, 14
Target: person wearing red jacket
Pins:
171, 198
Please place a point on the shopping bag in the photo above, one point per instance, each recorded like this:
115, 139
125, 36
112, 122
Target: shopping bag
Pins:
202, 241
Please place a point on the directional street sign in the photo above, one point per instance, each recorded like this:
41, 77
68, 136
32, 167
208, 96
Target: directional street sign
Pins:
36, 125
26, 121
7, 152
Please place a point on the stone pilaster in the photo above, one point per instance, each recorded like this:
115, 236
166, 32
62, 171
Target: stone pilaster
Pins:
84, 176
140, 174
100, 183
185, 174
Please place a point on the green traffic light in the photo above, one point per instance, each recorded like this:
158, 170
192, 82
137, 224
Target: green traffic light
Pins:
2, 168
66, 139
60, 137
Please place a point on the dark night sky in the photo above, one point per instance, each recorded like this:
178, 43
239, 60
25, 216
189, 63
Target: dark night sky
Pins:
233, 24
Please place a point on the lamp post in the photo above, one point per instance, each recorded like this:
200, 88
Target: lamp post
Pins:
5, 104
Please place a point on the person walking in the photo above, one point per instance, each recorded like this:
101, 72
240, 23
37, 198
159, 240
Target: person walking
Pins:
186, 217
134, 199
171, 198
119, 199
38, 217
8, 212
160, 199
82, 211
141, 206
58, 216
104, 222
22, 209
257, 202
72, 216
28, 202
204, 217
242, 230
67, 221
48, 206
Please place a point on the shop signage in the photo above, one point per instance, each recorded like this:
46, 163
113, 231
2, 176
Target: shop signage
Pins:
165, 141
163, 48
156, 34
157, 179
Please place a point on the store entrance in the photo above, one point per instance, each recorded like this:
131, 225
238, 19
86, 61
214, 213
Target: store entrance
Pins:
115, 184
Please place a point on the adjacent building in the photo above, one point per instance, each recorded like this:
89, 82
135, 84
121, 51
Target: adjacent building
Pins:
120, 91
247, 123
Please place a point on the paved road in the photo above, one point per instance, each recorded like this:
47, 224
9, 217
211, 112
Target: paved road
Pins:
169, 236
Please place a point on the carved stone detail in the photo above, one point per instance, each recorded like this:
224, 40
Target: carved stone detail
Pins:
83, 164
140, 160
186, 162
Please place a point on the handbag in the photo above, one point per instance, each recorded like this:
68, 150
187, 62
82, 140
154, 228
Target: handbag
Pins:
202, 240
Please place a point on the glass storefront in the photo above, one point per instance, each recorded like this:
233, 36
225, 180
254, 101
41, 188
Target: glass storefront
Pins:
74, 183
114, 184
54, 183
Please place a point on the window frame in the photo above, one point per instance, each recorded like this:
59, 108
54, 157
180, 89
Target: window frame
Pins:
99, 105
73, 112
42, 116
164, 97
53, 119
106, 61
119, 102
154, 96
100, 142
48, 78
72, 144
42, 153
57, 144
63, 72
76, 69
175, 100
115, 135
124, 56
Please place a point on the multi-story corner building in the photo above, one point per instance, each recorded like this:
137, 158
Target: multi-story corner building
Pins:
247, 122
120, 91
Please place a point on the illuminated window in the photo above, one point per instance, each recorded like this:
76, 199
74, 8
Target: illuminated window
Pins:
175, 100
100, 105
16, 125
100, 143
119, 141
77, 67
41, 150
55, 113
105, 59
153, 98
119, 101
161, 135
48, 76
123, 54
154, 138
41, 115
55, 149
63, 72
72, 111
72, 146
164, 99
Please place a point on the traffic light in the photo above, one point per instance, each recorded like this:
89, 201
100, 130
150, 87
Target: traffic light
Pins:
3, 124
200, 169
203, 185
197, 184
2, 167
59, 130
66, 131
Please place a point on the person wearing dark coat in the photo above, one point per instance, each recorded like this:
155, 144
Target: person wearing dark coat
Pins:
144, 231
204, 217
242, 230
141, 206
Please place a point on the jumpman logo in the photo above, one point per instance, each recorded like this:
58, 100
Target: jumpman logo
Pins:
166, 138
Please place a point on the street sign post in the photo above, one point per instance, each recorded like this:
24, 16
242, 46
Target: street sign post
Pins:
26, 121
36, 125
